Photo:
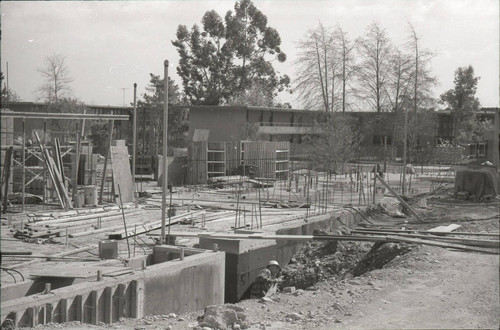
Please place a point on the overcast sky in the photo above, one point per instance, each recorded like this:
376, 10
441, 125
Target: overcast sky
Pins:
111, 45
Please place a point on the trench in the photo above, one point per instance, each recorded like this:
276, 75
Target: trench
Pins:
319, 261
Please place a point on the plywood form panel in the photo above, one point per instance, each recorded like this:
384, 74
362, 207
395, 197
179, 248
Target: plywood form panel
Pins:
122, 174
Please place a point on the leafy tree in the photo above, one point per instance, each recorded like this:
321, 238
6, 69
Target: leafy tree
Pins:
375, 50
56, 78
227, 57
337, 144
463, 103
66, 129
153, 100
8, 95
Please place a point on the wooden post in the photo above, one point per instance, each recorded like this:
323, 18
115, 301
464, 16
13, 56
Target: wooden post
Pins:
164, 156
77, 163
404, 151
108, 151
45, 178
134, 140
23, 161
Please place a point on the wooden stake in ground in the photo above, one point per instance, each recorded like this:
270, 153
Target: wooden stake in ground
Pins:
123, 215
399, 198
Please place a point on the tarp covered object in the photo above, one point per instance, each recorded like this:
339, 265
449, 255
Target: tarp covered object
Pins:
477, 182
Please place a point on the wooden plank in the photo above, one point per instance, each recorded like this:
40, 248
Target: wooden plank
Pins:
49, 169
444, 229
122, 174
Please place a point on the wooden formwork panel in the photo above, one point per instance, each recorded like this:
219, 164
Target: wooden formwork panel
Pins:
197, 167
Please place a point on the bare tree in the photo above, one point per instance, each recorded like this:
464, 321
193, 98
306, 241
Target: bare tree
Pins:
375, 50
317, 69
347, 62
422, 83
56, 78
398, 87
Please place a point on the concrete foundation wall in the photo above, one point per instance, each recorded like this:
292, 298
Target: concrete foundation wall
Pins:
246, 258
175, 286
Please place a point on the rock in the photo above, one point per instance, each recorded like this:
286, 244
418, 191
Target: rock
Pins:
371, 283
338, 321
337, 306
236, 326
172, 315
298, 292
168, 328
265, 300
289, 289
223, 317
294, 316
180, 319
348, 314
354, 282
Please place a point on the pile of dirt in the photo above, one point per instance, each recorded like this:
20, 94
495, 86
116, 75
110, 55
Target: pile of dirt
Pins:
379, 255
335, 260
322, 260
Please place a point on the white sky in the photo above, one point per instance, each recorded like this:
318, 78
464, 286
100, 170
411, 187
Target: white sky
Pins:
111, 45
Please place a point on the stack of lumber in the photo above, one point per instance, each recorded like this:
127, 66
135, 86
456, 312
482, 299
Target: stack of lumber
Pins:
150, 226
72, 222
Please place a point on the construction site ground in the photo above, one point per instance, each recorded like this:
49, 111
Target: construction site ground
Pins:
428, 287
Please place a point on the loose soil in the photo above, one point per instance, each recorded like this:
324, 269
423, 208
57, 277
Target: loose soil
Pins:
425, 287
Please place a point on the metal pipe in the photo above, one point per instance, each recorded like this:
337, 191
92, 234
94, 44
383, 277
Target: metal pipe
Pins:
164, 155
77, 116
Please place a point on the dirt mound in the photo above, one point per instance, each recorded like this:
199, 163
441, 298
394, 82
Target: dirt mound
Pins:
321, 260
326, 260
379, 255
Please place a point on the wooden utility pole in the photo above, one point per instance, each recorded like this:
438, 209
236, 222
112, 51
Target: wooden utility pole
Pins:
164, 155
405, 138
23, 160
496, 133
134, 138
108, 155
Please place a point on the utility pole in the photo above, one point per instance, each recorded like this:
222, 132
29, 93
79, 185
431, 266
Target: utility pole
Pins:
404, 149
164, 156
134, 139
